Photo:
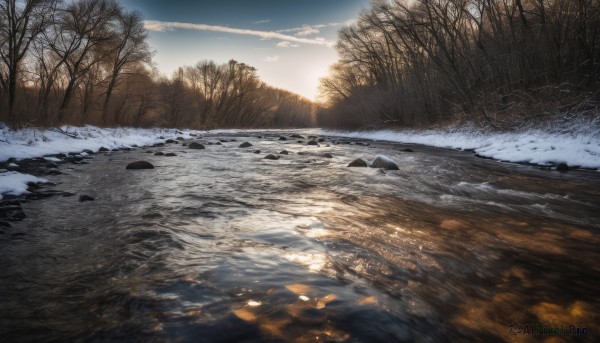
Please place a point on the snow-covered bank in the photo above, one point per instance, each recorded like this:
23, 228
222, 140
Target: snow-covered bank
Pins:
30, 143
532, 146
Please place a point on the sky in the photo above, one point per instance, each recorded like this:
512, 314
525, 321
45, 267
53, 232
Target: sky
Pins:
291, 43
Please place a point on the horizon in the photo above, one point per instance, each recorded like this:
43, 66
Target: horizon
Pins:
291, 44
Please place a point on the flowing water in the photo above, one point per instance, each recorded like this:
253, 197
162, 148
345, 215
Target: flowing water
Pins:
221, 245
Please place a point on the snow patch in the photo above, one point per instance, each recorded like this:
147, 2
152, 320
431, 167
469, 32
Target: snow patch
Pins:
16, 183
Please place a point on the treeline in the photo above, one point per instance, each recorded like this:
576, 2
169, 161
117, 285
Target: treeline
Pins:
88, 61
501, 62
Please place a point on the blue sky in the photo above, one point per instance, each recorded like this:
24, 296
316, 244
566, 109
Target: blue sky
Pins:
289, 42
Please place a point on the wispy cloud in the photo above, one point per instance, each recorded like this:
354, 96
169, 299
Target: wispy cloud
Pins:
308, 31
263, 21
272, 59
286, 44
161, 26
307, 28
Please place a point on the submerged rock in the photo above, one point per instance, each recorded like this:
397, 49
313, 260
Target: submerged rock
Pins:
85, 198
195, 145
359, 162
245, 145
271, 157
384, 162
140, 165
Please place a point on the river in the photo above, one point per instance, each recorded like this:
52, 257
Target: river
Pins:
221, 245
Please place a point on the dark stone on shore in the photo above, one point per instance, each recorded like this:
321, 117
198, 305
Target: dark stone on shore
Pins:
170, 141
562, 167
85, 198
359, 162
385, 163
103, 149
281, 138
484, 157
326, 155
170, 154
179, 138
68, 194
283, 152
196, 145
245, 145
32, 185
313, 142
407, 150
41, 194
88, 151
271, 157
257, 151
159, 153
78, 158
140, 165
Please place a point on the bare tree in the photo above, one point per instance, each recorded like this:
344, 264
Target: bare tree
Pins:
20, 23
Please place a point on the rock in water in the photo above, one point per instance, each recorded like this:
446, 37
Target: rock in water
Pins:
245, 145
359, 162
85, 198
140, 165
271, 157
407, 150
194, 145
159, 153
562, 167
257, 151
384, 162
326, 155
170, 154
102, 149
313, 142
283, 152
282, 138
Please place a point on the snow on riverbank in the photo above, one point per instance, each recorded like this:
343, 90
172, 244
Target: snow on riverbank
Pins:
532, 146
29, 143
16, 183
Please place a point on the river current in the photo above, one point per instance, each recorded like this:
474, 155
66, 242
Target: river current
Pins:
221, 245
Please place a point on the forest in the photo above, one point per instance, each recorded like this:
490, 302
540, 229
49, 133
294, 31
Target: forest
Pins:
402, 63
500, 63
89, 62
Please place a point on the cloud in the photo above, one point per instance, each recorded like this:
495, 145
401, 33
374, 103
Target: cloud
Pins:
272, 59
258, 22
309, 27
307, 32
286, 44
161, 26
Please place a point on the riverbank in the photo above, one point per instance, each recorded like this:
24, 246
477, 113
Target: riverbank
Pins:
35, 152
